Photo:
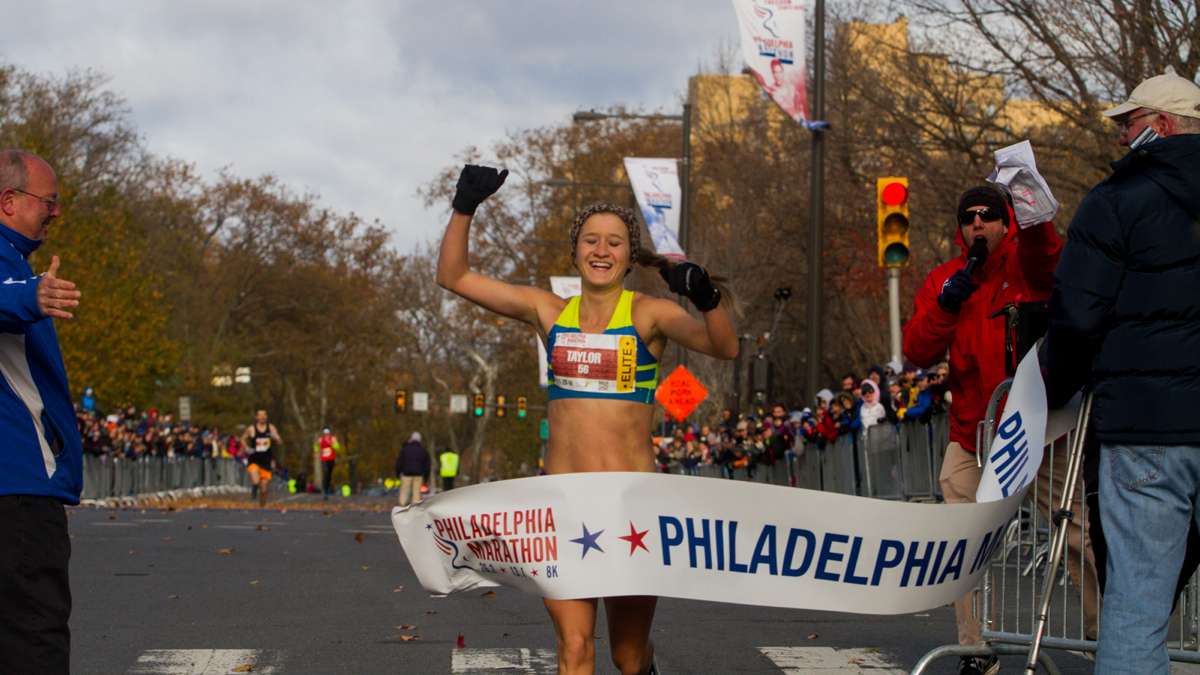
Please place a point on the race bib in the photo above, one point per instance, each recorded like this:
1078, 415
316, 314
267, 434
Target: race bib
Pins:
262, 444
597, 363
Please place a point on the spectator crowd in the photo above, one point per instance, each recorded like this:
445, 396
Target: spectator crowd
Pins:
893, 395
131, 433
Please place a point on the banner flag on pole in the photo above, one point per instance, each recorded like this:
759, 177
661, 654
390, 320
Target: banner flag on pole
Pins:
656, 184
563, 287
602, 534
773, 47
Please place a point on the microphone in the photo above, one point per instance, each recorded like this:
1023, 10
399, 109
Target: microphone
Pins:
976, 255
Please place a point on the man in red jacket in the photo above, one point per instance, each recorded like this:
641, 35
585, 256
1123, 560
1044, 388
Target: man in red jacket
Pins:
954, 310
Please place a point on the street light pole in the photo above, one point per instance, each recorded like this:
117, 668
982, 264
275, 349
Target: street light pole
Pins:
816, 210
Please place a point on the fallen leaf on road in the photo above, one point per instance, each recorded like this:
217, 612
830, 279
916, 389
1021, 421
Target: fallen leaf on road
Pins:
505, 635
462, 641
112, 516
398, 589
431, 611
408, 638
855, 662
244, 668
358, 536
813, 636
262, 528
407, 626
172, 597
254, 583
225, 551
366, 567
204, 526
133, 551
489, 594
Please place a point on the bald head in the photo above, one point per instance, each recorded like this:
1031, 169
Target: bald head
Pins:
28, 193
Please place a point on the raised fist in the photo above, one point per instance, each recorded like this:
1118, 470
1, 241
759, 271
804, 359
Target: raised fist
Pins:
475, 184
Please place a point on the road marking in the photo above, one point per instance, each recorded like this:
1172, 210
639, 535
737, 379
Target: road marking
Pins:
830, 660
106, 523
234, 527
510, 660
392, 532
155, 520
205, 662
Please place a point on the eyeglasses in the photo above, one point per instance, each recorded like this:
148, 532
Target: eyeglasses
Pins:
985, 214
1124, 124
50, 203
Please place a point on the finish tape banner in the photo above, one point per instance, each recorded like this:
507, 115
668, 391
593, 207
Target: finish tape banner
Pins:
588, 535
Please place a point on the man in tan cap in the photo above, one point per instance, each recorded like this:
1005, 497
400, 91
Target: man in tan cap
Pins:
1167, 104
1125, 320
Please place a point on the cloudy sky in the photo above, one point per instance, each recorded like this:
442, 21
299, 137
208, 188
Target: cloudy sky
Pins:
363, 101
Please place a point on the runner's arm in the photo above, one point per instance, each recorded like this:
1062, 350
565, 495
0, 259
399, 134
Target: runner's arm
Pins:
715, 335
454, 274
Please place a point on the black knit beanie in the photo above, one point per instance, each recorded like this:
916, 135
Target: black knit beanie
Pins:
985, 195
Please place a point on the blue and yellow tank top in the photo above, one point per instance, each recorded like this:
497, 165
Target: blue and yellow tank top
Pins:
615, 364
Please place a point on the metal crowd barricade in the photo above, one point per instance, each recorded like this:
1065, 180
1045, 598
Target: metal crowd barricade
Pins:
110, 476
879, 459
837, 466
916, 451
806, 466
1008, 601
939, 434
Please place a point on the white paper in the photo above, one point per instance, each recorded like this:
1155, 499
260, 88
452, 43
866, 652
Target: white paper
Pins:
1016, 169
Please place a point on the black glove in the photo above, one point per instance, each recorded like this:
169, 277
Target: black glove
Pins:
955, 292
475, 184
690, 279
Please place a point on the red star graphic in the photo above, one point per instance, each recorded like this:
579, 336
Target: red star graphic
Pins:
533, 572
635, 539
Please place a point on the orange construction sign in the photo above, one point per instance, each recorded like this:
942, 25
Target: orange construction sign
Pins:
680, 393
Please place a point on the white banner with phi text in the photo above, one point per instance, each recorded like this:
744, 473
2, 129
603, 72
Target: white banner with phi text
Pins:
563, 287
655, 182
773, 48
587, 535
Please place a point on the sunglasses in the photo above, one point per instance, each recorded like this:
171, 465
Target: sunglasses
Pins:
985, 214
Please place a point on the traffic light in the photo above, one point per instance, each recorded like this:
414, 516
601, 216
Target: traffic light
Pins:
500, 405
479, 405
401, 400
891, 220
521, 407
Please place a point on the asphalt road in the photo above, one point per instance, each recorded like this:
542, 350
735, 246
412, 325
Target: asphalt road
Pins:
298, 591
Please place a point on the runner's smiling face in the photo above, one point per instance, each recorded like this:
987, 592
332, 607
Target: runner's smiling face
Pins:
602, 253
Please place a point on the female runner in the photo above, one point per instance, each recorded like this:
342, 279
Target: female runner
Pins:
603, 349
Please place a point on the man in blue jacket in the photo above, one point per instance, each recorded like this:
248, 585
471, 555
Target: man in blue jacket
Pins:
41, 456
1125, 318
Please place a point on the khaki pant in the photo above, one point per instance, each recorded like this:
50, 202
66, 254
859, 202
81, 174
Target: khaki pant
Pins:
960, 479
410, 490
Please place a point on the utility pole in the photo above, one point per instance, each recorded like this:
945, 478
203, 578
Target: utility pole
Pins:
816, 208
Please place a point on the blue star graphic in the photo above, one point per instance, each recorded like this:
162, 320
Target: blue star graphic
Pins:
588, 541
